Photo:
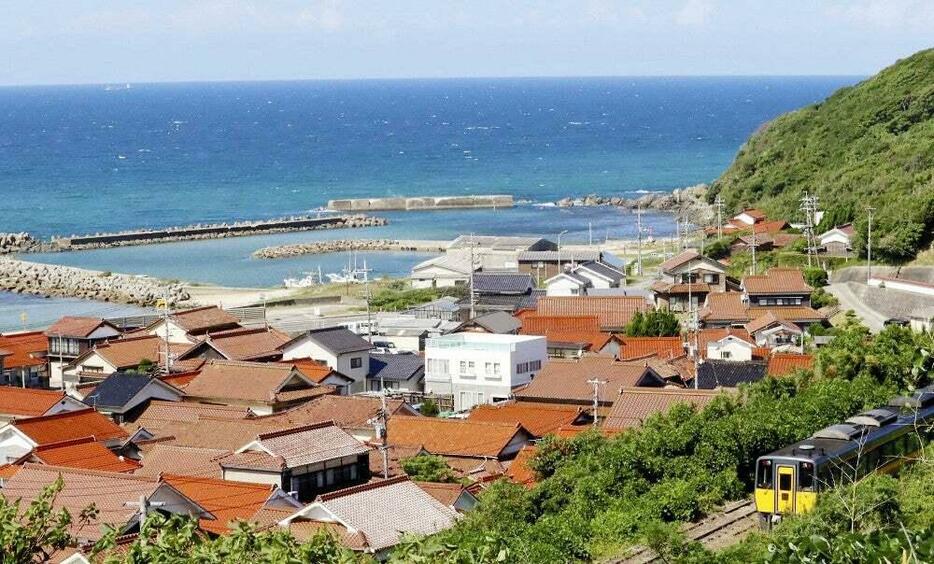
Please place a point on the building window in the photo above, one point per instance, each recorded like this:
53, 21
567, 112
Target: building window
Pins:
535, 365
463, 366
725, 355
496, 369
712, 278
488, 368
356, 362
522, 368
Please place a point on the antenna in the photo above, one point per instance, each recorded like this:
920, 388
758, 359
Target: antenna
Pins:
596, 397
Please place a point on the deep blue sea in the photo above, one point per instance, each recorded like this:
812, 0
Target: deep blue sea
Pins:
81, 159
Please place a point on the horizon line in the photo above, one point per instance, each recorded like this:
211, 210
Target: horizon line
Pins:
422, 79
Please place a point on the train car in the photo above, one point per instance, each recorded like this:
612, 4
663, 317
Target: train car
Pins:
790, 480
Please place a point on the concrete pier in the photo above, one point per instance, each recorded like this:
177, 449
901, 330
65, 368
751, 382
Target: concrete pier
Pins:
421, 203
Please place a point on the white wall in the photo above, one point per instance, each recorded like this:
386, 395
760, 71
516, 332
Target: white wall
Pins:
306, 348
12, 445
729, 348
176, 333
595, 281
562, 286
238, 475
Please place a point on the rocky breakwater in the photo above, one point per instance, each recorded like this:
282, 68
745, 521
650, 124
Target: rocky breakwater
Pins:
64, 281
690, 202
341, 245
18, 243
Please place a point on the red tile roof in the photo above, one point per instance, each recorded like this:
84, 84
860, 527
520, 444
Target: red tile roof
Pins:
453, 437
724, 306
28, 402
777, 281
565, 381
313, 369
204, 319
83, 453
640, 347
767, 319
543, 324
796, 314
129, 352
782, 364
70, 425
519, 471
614, 312
227, 501
348, 412
77, 327
23, 350
248, 344
250, 381
678, 260
771, 226
538, 418
186, 461
634, 405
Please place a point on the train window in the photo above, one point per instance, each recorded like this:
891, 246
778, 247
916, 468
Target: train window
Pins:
784, 482
806, 477
764, 474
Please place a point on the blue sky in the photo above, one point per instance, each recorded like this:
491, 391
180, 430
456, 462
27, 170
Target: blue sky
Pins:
87, 41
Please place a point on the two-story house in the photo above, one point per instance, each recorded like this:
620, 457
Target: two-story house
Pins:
70, 337
338, 347
688, 275
479, 368
777, 287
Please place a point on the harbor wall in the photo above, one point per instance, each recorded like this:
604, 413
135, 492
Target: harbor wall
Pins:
341, 245
421, 203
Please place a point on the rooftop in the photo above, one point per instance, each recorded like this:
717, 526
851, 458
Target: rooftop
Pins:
337, 340
29, 402
298, 446
478, 341
395, 367
453, 437
640, 347
496, 322
248, 344
82, 453
23, 350
130, 352
782, 364
227, 501
777, 281
567, 380
713, 374
76, 327
538, 419
681, 258
634, 405
502, 283
565, 255
349, 412
251, 381
187, 461
70, 425
119, 388
204, 319
614, 312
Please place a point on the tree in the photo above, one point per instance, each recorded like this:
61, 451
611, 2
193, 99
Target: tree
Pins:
428, 468
429, 408
655, 323
717, 249
814, 276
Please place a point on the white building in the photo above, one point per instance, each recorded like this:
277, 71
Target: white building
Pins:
481, 367
730, 347
337, 347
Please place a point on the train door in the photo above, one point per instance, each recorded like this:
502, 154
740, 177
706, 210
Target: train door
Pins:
785, 501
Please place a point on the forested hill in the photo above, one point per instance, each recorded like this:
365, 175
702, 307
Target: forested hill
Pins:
871, 144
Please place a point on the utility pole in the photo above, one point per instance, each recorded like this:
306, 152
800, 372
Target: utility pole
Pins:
366, 293
384, 416
639, 232
143, 505
696, 325
754, 245
165, 321
809, 207
473, 300
869, 246
596, 397
719, 205
590, 233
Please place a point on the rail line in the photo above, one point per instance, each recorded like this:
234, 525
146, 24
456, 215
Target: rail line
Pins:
715, 531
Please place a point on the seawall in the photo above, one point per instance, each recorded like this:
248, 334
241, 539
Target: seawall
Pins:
39, 279
340, 245
421, 203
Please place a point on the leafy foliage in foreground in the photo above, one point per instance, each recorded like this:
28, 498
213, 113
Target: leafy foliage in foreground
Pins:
654, 323
870, 144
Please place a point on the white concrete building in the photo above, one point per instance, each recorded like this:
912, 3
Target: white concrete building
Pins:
337, 347
481, 367
730, 347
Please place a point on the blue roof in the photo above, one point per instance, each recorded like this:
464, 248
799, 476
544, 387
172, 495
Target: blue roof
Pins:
117, 389
395, 366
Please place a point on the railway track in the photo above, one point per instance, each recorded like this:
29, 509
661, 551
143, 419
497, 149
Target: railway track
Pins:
715, 531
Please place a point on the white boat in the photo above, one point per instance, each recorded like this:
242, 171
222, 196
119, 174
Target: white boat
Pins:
309, 280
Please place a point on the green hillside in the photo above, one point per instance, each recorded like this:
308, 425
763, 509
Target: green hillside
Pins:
869, 144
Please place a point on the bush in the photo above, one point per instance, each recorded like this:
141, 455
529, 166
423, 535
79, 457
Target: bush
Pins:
821, 298
429, 408
717, 249
428, 468
655, 323
815, 277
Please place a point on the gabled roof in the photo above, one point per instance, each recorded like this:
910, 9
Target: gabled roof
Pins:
201, 320
777, 281
381, 512
519, 472
613, 311
497, 242
796, 314
84, 453
846, 229
767, 320
679, 259
565, 256
227, 501
754, 213
246, 344
640, 347
163, 418
782, 364
295, 447
226, 434
396, 367
545, 324
495, 322
566, 381
724, 306
120, 387
446, 493
572, 276
70, 425
23, 350
251, 381
457, 263
714, 334
772, 226
187, 461
538, 418
502, 283
77, 327
729, 374
349, 412
129, 352
31, 402
453, 437
634, 405
337, 340
604, 270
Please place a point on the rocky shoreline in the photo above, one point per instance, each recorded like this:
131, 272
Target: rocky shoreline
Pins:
341, 245
49, 280
690, 202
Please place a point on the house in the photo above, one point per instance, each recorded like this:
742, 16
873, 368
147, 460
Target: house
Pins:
70, 337
456, 496
23, 403
770, 331
481, 368
123, 392
509, 303
321, 373
713, 337
712, 374
262, 387
354, 414
201, 462
498, 322
777, 287
748, 217
633, 406
183, 327
642, 347
256, 344
687, 275
108, 491
129, 353
455, 438
520, 471
783, 364
543, 264
728, 309
567, 283
169, 418
23, 359
602, 276
372, 518
20, 437
571, 336
502, 283
339, 348
84, 453
396, 372
538, 419
730, 347
445, 271
229, 502
572, 382
496, 243
613, 312
309, 460
838, 241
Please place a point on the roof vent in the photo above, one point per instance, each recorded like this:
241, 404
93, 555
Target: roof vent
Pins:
920, 399
841, 432
874, 417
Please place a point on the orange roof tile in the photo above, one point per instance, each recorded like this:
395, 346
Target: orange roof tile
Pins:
539, 419
713, 334
446, 493
770, 226
565, 381
249, 344
185, 461
724, 306
662, 347
128, 353
77, 327
70, 425
227, 501
543, 324
83, 453
453, 437
777, 281
634, 405
313, 369
203, 319
678, 260
349, 412
519, 471
614, 312
248, 381
24, 350
7, 471
796, 314
782, 364
28, 402
767, 319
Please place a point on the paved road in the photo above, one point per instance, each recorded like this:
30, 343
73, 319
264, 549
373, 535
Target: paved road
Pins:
849, 300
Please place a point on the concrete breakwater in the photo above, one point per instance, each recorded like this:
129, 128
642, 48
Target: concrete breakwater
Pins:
208, 231
18, 243
421, 203
690, 202
39, 279
341, 245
